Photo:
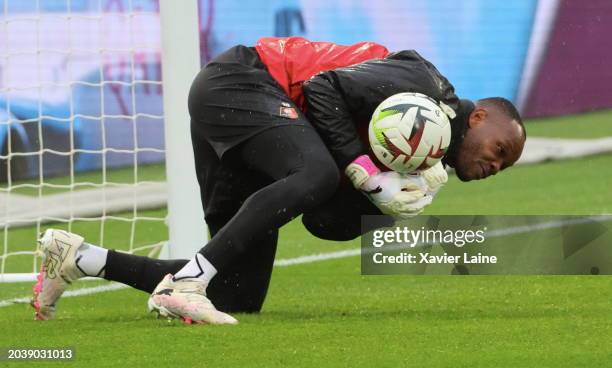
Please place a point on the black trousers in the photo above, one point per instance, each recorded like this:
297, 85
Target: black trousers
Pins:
258, 166
256, 197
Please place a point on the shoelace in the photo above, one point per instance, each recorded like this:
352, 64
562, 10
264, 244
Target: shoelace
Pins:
198, 287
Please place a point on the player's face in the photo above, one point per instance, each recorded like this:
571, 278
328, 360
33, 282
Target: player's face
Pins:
490, 145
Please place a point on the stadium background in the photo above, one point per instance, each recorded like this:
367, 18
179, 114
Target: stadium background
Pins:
549, 67
548, 56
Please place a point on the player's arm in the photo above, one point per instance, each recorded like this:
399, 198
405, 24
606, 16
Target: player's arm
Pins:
367, 84
329, 113
337, 100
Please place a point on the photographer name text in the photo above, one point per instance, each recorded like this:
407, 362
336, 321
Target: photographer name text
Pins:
427, 258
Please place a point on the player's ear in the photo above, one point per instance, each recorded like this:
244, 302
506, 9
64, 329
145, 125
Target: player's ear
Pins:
477, 117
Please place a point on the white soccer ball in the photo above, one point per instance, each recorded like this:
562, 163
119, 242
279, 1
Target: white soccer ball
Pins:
409, 132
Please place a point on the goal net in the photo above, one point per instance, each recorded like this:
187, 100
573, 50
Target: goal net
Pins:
82, 143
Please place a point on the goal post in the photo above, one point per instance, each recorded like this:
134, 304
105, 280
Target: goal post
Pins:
180, 64
94, 127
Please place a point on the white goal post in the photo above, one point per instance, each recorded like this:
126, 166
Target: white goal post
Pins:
81, 100
180, 64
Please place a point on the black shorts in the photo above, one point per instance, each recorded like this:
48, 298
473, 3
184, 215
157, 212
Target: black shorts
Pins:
234, 97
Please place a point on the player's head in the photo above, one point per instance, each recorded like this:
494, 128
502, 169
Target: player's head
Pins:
493, 141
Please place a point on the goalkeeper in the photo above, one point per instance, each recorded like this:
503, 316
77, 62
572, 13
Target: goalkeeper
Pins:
274, 127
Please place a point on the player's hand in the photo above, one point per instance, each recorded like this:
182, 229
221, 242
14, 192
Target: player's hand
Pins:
399, 195
435, 177
360, 170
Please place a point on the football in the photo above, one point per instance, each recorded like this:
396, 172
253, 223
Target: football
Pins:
409, 132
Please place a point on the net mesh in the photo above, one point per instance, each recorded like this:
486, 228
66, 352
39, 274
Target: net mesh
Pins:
81, 125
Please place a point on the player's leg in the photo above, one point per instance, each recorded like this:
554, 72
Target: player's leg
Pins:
236, 105
243, 285
241, 288
224, 187
304, 176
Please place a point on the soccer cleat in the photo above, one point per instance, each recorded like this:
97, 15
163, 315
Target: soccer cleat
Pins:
58, 270
186, 299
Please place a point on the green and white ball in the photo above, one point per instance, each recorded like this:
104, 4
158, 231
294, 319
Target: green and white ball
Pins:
409, 132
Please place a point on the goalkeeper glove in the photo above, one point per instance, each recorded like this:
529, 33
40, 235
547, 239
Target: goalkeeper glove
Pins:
360, 170
397, 195
435, 177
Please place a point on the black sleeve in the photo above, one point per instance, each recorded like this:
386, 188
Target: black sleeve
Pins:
329, 114
340, 100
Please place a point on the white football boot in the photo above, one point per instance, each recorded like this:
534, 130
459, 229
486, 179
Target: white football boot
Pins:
186, 299
58, 270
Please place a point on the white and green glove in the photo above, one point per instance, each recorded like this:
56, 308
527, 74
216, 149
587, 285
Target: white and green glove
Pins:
399, 195
435, 177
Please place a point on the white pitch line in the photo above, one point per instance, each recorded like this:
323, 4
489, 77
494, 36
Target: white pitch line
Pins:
334, 255
317, 257
279, 263
6, 303
69, 293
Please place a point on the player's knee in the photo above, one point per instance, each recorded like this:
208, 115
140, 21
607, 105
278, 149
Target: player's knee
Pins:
326, 228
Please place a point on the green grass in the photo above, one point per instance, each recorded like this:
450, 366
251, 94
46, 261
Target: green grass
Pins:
590, 125
327, 314
577, 187
125, 175
580, 186
117, 234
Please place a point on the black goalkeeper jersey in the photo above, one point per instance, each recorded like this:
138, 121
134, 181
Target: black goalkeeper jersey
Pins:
340, 101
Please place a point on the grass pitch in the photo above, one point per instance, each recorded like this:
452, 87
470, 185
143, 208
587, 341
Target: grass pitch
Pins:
326, 314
